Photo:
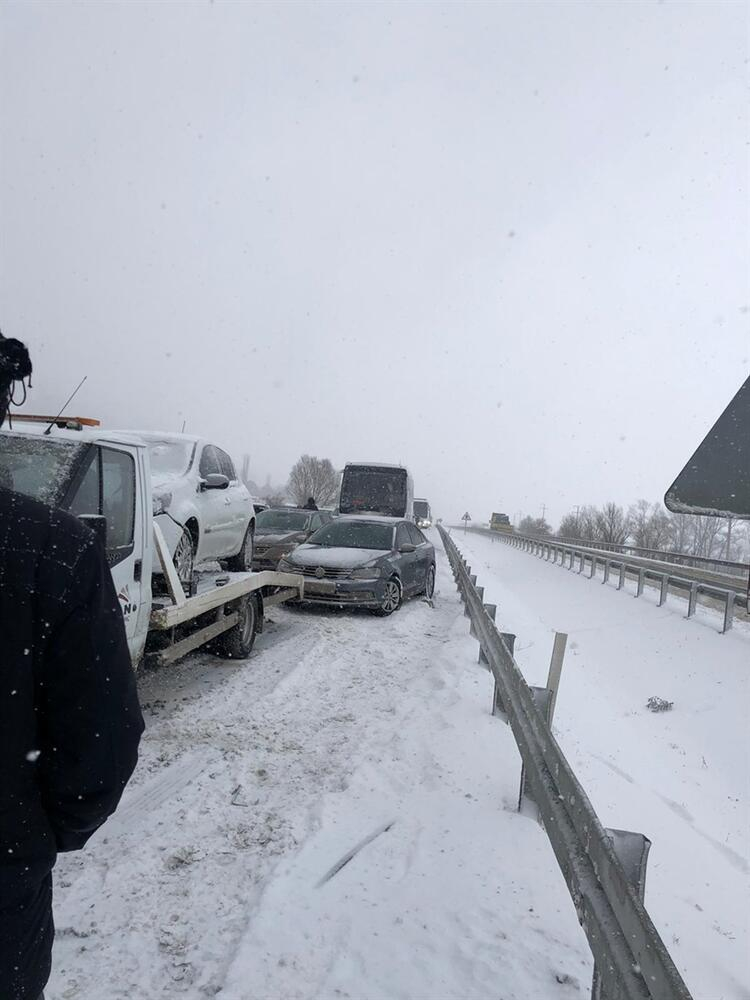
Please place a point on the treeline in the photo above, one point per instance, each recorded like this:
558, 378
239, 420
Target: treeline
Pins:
649, 526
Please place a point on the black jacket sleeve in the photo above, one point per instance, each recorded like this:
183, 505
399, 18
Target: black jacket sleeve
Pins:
89, 720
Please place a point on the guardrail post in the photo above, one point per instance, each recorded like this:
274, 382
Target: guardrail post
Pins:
692, 599
526, 803
472, 633
498, 708
607, 565
641, 581
555, 669
632, 853
583, 561
491, 610
728, 611
621, 580
664, 588
594, 564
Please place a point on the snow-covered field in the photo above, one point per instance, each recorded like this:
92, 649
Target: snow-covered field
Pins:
681, 777
220, 874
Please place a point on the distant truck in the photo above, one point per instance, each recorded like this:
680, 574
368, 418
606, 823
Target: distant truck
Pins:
422, 514
376, 488
500, 522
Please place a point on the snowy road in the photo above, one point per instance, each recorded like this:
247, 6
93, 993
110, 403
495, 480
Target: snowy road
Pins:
681, 777
257, 780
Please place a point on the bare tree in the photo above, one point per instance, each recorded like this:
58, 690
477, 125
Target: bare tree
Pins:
611, 524
275, 499
316, 478
679, 532
534, 526
650, 526
570, 526
588, 524
706, 536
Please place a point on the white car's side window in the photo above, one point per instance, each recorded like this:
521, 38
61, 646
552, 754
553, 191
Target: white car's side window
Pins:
227, 465
209, 463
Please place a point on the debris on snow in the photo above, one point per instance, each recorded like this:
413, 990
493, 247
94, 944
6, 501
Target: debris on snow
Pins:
656, 704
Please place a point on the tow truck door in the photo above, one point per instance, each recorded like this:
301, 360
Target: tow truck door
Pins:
109, 485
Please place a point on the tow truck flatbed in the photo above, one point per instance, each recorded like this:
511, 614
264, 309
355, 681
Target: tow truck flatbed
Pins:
217, 589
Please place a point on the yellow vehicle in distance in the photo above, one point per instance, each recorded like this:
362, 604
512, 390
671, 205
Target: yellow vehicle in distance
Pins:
500, 522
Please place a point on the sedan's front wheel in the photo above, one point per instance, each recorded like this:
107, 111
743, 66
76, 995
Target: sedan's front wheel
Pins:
429, 583
392, 598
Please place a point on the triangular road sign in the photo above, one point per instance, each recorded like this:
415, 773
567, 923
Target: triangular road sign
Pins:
466, 517
716, 480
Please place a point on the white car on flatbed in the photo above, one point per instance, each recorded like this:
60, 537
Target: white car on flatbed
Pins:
204, 510
104, 477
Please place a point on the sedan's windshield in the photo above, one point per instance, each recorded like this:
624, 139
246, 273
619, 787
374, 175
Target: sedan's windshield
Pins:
169, 459
38, 467
354, 535
281, 520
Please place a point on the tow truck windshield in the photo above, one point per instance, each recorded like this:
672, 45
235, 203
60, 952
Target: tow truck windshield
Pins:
40, 468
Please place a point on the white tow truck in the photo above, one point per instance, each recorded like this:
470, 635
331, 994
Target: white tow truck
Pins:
104, 479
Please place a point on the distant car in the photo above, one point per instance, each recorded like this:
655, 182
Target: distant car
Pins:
422, 513
278, 530
203, 509
371, 562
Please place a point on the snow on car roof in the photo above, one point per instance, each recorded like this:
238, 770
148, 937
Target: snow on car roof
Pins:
84, 435
374, 518
164, 436
377, 465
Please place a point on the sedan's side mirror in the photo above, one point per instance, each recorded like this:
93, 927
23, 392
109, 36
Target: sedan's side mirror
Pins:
98, 524
215, 481
408, 547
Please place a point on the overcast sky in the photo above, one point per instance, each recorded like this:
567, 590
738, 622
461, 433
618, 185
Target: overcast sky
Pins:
503, 243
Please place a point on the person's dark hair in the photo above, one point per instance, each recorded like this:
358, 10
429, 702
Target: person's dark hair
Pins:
15, 366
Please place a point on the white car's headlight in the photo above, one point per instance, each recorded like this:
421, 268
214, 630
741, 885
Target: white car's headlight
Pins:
161, 502
365, 573
287, 567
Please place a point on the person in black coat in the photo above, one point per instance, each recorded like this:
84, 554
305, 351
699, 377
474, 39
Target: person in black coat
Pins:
310, 505
70, 722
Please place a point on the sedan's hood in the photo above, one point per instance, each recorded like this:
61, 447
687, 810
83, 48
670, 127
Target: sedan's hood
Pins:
278, 537
331, 558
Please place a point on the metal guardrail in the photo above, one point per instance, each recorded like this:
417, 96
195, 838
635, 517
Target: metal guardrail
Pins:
738, 569
604, 869
570, 555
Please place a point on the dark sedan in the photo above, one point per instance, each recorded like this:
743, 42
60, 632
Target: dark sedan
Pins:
370, 562
278, 530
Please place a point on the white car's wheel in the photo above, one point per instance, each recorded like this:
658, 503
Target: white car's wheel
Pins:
184, 559
243, 561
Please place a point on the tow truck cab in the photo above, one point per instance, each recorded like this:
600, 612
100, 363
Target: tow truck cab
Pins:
100, 477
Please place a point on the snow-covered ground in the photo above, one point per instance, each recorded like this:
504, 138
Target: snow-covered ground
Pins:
681, 777
220, 874
257, 779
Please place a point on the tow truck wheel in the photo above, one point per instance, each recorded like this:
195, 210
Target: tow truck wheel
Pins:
243, 561
184, 559
237, 642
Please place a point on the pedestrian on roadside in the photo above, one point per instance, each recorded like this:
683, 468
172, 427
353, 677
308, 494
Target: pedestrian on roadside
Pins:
310, 505
70, 722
